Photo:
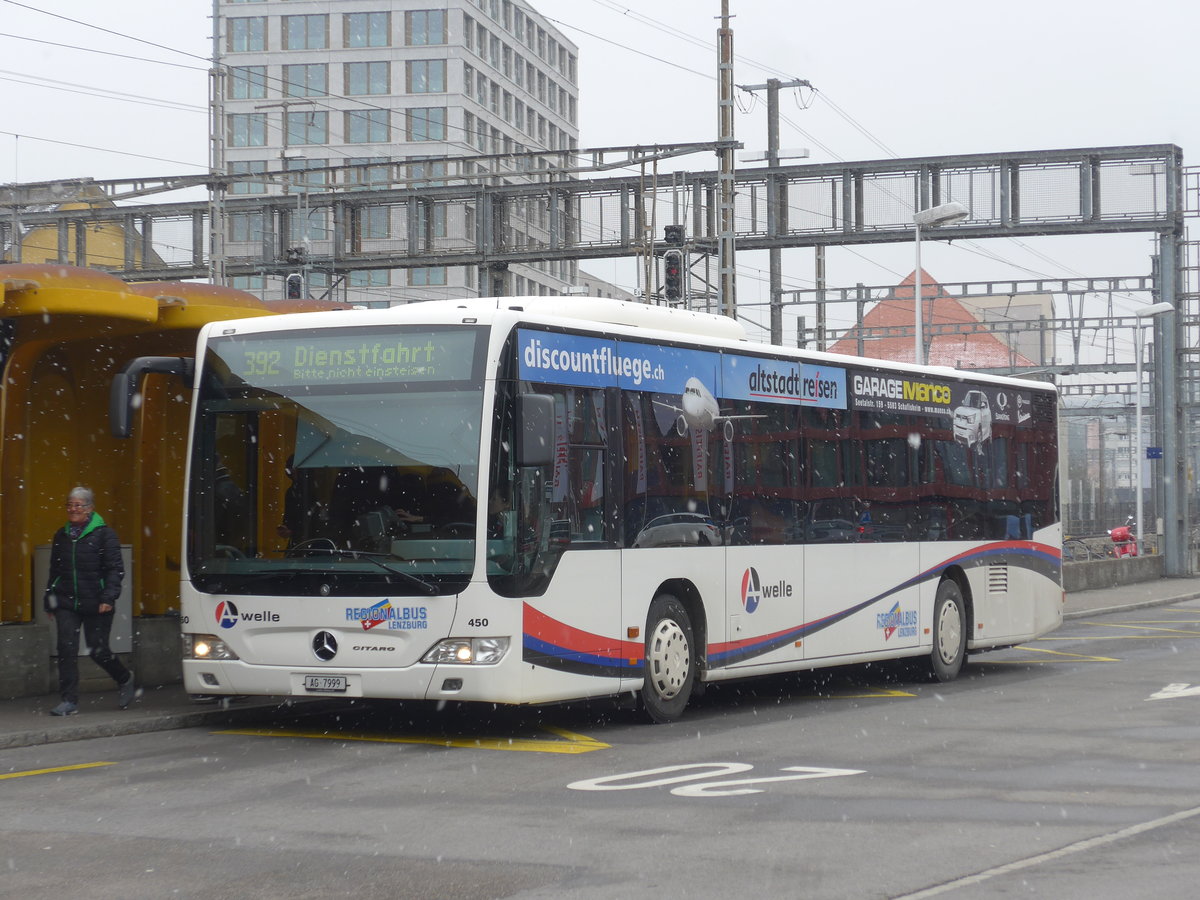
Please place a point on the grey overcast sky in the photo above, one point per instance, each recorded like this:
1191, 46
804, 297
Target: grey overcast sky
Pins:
928, 77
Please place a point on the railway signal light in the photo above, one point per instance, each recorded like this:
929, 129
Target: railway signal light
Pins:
294, 287
673, 275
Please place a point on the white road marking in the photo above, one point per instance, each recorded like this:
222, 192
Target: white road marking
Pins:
1070, 849
1174, 691
630, 781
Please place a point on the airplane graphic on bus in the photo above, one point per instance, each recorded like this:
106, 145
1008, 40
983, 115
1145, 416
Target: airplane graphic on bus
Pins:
699, 411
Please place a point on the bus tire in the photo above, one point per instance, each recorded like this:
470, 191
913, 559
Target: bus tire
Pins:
949, 632
670, 660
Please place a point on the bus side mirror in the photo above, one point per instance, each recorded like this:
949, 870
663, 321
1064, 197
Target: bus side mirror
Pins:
535, 430
124, 395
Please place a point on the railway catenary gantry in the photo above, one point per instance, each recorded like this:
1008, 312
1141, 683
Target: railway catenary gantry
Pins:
1093, 190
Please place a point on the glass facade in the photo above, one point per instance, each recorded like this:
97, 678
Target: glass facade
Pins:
427, 124
366, 29
425, 26
246, 34
308, 80
367, 126
426, 76
367, 78
248, 82
305, 32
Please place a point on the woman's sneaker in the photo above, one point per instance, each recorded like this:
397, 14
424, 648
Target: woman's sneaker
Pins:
66, 708
128, 693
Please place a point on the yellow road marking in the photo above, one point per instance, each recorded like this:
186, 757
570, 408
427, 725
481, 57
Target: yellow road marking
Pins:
56, 769
1136, 627
1077, 656
1101, 637
881, 694
571, 743
575, 738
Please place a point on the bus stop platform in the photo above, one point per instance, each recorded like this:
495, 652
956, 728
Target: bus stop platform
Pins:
1158, 592
27, 722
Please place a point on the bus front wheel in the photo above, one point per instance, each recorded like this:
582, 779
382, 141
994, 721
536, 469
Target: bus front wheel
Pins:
949, 631
670, 662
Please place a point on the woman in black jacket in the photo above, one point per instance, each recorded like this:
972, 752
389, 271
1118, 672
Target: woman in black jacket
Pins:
85, 580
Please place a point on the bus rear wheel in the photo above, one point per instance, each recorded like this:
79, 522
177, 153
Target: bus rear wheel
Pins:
670, 662
949, 632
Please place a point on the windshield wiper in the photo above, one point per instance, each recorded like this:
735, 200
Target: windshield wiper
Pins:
370, 557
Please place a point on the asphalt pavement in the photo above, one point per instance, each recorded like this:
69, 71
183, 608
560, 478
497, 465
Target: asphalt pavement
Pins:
27, 722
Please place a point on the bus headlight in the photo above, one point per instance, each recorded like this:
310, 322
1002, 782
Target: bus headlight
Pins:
468, 651
206, 646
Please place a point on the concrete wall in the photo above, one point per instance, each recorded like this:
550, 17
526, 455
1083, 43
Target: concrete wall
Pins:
28, 670
24, 651
1106, 573
156, 650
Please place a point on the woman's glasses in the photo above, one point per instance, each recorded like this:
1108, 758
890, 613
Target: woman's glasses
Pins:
78, 505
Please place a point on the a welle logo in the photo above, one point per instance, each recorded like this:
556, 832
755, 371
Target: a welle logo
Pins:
227, 615
754, 591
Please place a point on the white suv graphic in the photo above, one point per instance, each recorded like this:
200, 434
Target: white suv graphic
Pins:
973, 419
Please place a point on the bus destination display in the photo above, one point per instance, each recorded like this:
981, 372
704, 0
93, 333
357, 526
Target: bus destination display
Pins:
351, 357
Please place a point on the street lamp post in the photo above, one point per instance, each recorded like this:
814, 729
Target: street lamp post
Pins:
1144, 315
930, 218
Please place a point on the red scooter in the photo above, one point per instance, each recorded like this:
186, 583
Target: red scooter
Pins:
1124, 540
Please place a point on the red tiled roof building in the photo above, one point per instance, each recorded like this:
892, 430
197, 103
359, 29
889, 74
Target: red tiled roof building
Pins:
972, 346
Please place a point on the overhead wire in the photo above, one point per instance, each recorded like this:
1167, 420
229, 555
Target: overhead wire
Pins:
88, 91
29, 137
853, 122
119, 34
160, 62
659, 25
613, 43
364, 104
849, 119
316, 100
615, 7
268, 122
707, 45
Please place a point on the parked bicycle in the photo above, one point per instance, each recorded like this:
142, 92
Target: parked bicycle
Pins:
1075, 550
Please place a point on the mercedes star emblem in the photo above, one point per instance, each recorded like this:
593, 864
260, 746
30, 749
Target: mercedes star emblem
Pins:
324, 646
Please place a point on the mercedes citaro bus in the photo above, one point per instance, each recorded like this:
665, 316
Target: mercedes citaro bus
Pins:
528, 500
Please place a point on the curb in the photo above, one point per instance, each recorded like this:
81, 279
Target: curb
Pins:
121, 726
139, 725
1122, 607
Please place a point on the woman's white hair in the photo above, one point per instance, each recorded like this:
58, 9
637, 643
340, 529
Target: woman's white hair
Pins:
83, 495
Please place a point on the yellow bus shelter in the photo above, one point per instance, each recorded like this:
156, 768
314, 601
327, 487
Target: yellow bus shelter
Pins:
64, 333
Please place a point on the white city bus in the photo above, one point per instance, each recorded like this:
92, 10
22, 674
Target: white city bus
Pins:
529, 500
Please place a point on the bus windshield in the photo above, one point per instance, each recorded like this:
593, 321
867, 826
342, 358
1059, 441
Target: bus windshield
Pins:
337, 462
